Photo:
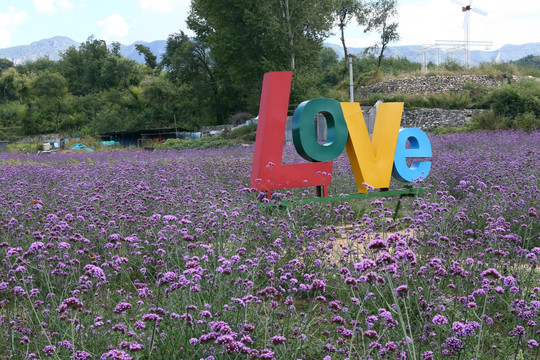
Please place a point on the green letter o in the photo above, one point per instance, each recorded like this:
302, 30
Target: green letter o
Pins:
303, 130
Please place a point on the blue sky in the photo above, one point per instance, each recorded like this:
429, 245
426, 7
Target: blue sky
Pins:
421, 21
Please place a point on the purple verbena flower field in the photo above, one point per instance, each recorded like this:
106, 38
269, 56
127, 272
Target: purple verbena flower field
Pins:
169, 255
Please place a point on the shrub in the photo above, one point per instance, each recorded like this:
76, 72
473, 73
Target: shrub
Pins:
203, 143
513, 99
527, 121
242, 132
487, 121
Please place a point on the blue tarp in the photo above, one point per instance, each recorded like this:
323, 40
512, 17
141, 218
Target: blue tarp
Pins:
81, 147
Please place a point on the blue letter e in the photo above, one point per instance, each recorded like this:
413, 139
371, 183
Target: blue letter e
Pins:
420, 147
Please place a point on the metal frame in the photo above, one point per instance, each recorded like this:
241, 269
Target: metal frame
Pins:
406, 192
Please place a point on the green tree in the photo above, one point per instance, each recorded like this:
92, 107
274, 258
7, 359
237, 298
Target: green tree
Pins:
82, 67
188, 61
7, 82
248, 38
345, 11
117, 71
530, 61
379, 18
50, 89
149, 58
5, 64
329, 69
23, 84
306, 24
36, 66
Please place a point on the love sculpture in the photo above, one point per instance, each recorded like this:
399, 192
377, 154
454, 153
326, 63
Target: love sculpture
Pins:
373, 161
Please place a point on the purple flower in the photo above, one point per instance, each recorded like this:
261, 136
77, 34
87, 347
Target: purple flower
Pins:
205, 313
452, 345
440, 320
276, 340
491, 272
116, 355
519, 331
94, 271
402, 291
377, 244
465, 329
70, 303
122, 307
364, 265
168, 277
49, 350
372, 334
81, 355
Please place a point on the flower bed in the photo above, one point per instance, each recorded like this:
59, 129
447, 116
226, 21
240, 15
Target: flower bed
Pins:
167, 255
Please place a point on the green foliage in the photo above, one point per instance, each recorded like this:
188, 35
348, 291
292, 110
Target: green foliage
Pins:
496, 70
244, 133
5, 64
149, 57
93, 67
188, 63
452, 100
491, 121
366, 67
380, 16
23, 148
202, 143
515, 105
370, 77
529, 65
452, 65
344, 12
37, 66
93, 89
246, 39
513, 99
527, 121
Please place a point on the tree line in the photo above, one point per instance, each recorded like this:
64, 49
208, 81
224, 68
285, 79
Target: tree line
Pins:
199, 80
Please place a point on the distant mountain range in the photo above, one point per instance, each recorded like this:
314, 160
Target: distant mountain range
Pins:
54, 46
415, 53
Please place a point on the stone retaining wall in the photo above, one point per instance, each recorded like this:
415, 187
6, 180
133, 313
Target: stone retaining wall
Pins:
430, 119
424, 85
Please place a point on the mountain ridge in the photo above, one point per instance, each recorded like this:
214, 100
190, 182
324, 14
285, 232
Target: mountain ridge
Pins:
508, 52
53, 47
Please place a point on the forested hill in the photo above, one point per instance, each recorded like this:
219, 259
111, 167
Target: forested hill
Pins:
53, 46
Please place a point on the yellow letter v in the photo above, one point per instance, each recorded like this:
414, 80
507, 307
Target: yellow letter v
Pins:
372, 161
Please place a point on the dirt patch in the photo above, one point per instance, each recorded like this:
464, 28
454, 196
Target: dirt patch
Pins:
349, 238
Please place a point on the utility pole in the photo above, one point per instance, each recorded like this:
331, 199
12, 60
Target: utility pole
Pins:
351, 83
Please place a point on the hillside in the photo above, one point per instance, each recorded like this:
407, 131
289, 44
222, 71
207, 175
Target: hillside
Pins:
38, 49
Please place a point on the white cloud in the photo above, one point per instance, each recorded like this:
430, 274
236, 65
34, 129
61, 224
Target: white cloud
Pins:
443, 20
9, 21
425, 21
158, 19
164, 6
115, 26
50, 7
